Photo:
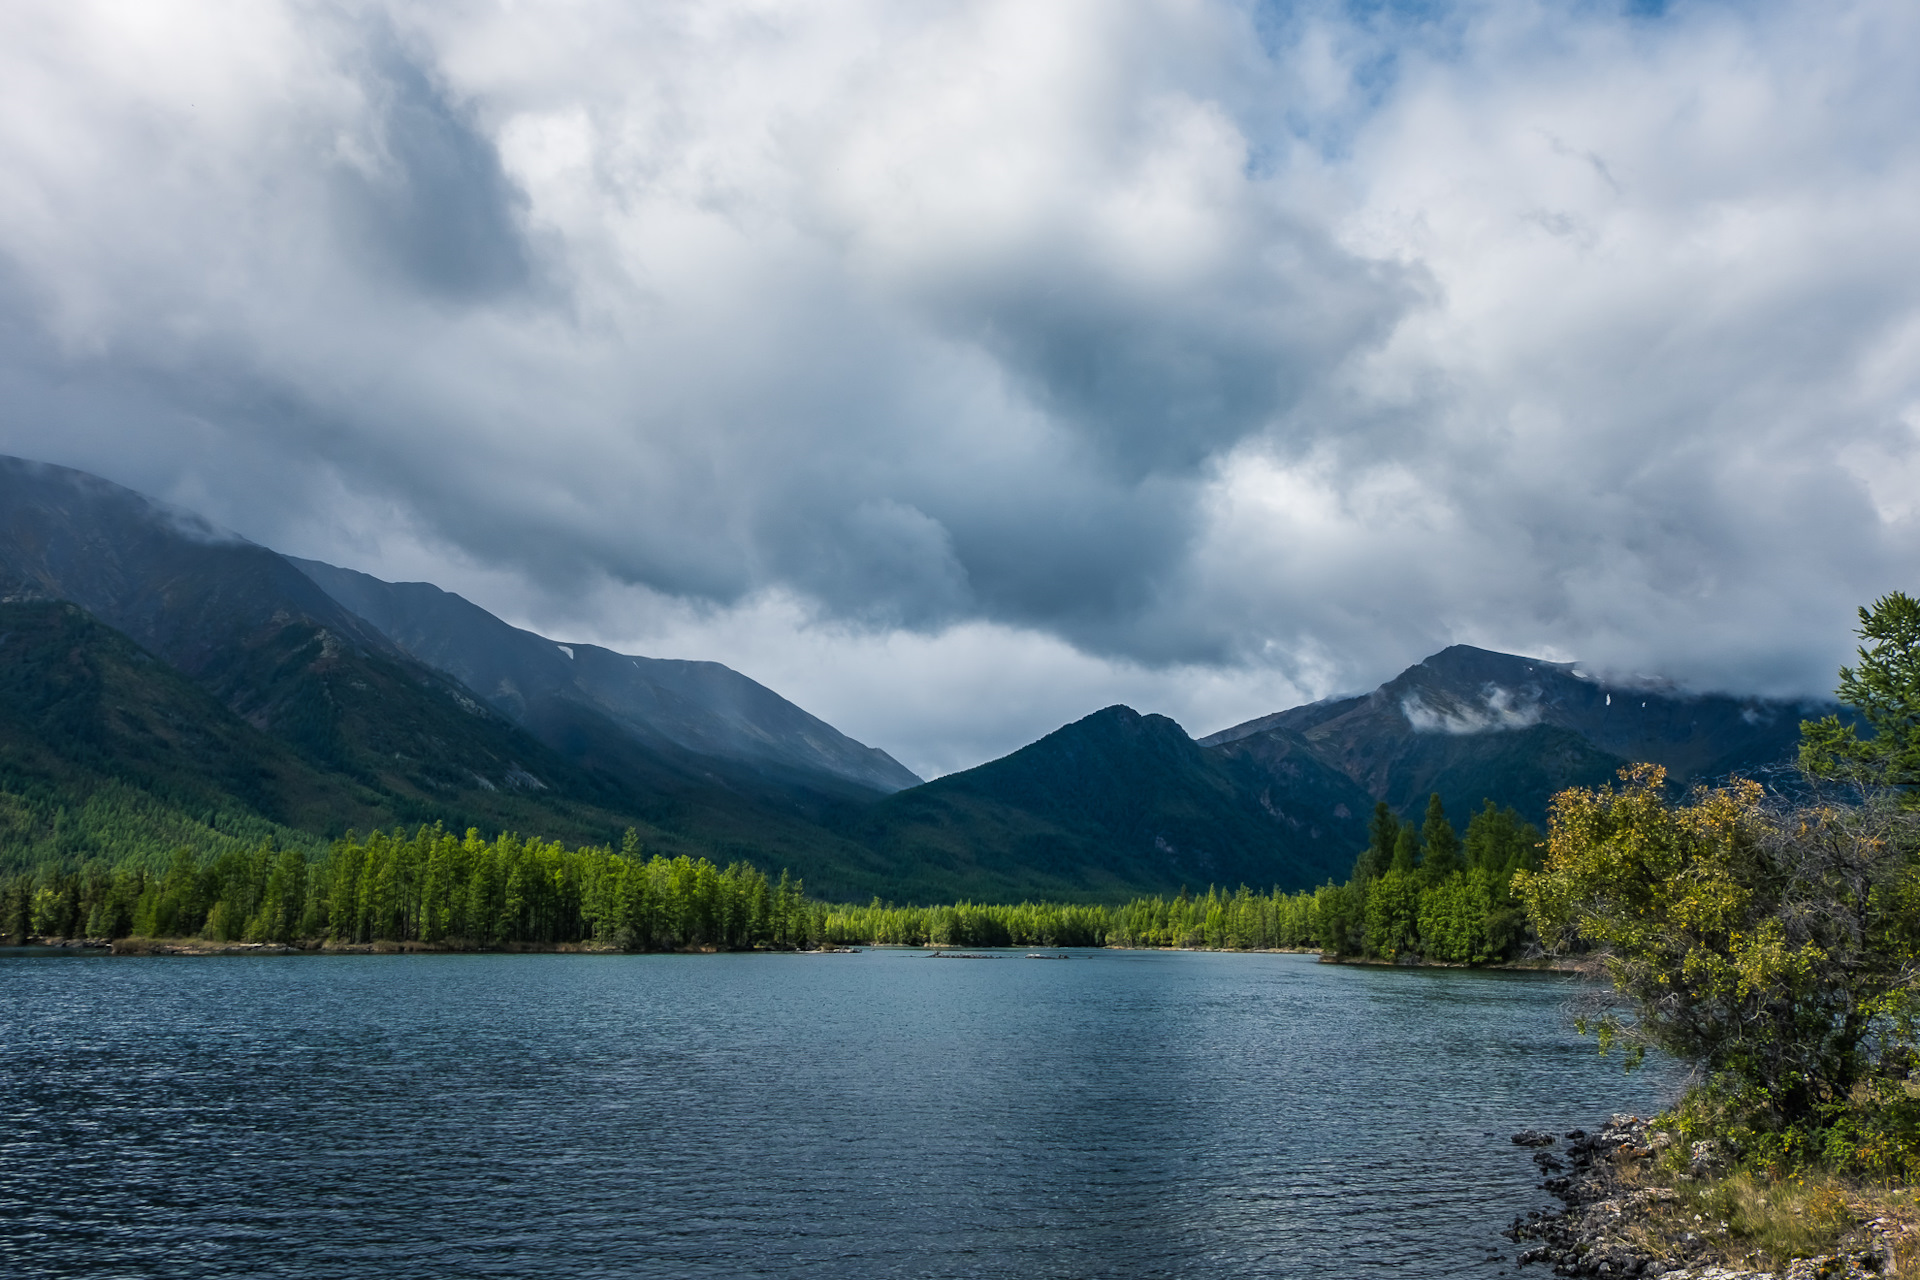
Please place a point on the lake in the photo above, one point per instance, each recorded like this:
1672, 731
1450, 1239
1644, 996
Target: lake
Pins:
881, 1114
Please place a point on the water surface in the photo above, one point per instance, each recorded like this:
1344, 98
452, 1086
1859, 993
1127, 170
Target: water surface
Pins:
1122, 1114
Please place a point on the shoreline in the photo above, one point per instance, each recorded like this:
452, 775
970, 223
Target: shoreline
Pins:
1618, 1220
1543, 965
191, 946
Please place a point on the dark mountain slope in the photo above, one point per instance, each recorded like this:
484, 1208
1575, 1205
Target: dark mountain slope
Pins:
700, 707
1470, 724
272, 647
1119, 803
107, 751
275, 649
179, 586
1289, 775
87, 715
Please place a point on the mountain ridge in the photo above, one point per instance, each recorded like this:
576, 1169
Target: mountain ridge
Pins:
232, 614
703, 707
277, 651
1467, 718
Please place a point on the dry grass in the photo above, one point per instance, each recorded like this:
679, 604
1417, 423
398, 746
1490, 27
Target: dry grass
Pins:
1754, 1221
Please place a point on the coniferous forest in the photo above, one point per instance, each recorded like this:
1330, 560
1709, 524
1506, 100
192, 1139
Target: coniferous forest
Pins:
1417, 892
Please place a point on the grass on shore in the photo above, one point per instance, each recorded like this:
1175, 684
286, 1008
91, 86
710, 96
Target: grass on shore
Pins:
1760, 1222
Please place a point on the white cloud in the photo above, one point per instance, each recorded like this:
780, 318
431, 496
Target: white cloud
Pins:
1495, 709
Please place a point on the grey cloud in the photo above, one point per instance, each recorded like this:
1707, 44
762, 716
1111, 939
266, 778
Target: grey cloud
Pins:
883, 561
1084, 561
1160, 381
428, 199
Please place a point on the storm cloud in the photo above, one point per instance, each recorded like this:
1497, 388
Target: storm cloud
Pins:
956, 368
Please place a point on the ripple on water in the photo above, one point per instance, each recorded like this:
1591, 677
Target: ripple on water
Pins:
1127, 1114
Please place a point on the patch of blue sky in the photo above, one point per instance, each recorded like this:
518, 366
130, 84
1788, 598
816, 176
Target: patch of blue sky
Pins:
1370, 39
1373, 40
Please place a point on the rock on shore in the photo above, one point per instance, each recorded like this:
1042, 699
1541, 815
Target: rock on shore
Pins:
1593, 1234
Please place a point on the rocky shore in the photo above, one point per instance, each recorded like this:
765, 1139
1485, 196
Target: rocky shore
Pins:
1617, 1222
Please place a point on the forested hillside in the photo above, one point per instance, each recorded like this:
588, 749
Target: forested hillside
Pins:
1116, 803
111, 757
108, 754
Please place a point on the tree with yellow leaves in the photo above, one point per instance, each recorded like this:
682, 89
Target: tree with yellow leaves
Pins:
1776, 948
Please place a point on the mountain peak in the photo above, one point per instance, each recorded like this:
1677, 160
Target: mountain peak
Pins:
1119, 797
1469, 662
1474, 723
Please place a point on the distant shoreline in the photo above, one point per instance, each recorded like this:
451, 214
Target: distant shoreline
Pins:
135, 946
1512, 966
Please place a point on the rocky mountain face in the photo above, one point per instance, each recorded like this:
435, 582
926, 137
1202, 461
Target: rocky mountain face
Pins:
1473, 724
701, 707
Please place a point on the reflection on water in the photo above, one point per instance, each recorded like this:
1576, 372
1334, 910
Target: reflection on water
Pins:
1125, 1114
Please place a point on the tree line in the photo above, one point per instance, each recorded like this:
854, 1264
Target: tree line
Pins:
1413, 892
430, 887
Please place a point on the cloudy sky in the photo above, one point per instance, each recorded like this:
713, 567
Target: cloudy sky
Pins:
958, 368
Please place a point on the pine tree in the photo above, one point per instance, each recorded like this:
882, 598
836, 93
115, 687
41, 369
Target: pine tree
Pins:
1885, 689
1383, 832
1406, 850
1441, 844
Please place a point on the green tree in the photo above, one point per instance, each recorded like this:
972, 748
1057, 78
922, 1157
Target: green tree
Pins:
1885, 689
1406, 851
1393, 915
284, 900
1383, 831
1441, 844
1501, 841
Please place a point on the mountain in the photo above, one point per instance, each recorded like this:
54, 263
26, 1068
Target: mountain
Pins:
107, 751
1470, 723
278, 652
403, 742
1119, 803
164, 682
701, 707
